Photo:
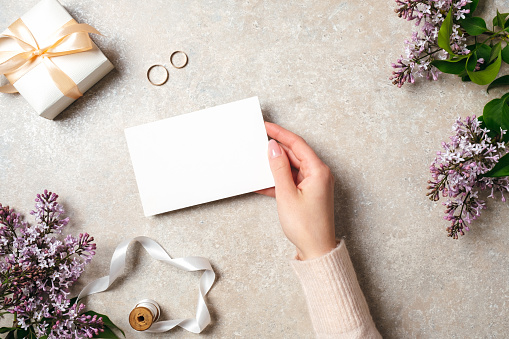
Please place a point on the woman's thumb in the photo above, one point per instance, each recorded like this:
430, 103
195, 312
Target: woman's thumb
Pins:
281, 170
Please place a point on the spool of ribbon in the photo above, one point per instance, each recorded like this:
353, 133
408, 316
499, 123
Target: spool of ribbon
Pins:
144, 314
69, 39
190, 264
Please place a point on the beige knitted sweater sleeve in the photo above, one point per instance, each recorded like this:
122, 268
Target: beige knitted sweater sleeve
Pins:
336, 304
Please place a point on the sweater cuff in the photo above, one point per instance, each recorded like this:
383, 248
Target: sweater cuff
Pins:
335, 300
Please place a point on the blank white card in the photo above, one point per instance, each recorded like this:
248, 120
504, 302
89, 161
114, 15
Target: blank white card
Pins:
199, 157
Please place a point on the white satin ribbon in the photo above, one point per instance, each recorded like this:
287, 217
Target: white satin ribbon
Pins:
190, 264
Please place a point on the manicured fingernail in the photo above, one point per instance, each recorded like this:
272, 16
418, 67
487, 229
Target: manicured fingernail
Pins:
274, 149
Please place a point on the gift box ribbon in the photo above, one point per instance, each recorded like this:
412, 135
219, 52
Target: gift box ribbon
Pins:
71, 38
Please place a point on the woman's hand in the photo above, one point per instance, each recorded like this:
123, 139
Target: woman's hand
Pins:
304, 193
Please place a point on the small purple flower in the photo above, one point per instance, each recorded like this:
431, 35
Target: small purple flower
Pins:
457, 173
480, 61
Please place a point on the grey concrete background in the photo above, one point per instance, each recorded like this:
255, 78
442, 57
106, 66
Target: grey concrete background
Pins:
320, 69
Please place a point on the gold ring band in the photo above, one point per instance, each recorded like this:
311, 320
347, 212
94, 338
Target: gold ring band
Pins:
185, 62
162, 82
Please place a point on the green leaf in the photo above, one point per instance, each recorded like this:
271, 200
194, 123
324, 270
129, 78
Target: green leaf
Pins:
496, 115
28, 333
7, 329
501, 169
495, 51
473, 6
10, 335
483, 51
499, 20
474, 26
501, 17
502, 81
487, 75
444, 34
505, 54
21, 333
471, 62
449, 66
464, 76
107, 321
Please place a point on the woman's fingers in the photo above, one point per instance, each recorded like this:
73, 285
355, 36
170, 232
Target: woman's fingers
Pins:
270, 192
291, 156
281, 170
293, 142
297, 176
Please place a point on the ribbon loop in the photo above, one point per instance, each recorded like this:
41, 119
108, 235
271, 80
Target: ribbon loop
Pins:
155, 250
69, 39
8, 89
23, 35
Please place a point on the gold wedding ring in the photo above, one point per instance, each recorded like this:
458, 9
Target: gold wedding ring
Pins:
158, 83
185, 60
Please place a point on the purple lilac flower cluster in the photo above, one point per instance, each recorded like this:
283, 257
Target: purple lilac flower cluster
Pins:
37, 271
457, 173
423, 47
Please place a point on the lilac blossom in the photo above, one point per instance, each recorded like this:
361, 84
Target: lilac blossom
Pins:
457, 173
37, 271
480, 61
422, 48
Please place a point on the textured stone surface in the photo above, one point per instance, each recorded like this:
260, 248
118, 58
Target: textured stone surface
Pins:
320, 69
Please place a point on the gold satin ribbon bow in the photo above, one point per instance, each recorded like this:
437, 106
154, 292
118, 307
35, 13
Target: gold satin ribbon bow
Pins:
69, 39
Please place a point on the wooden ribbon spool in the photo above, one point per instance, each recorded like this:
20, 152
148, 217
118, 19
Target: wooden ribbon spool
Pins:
144, 314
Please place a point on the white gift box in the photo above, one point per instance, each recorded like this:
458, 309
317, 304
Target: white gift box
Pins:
84, 68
